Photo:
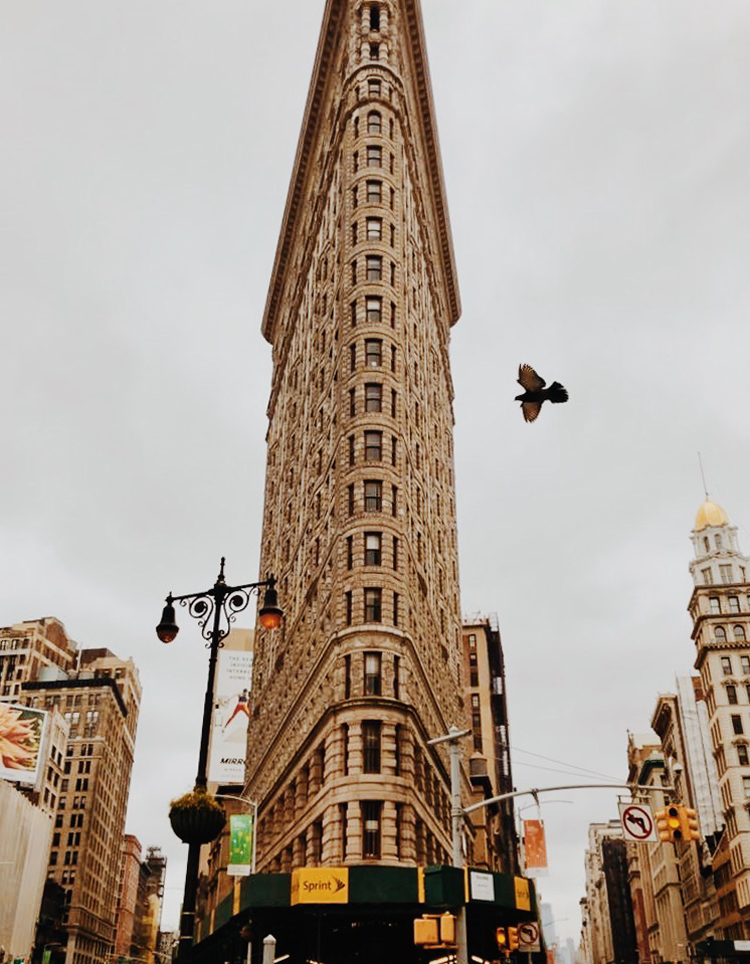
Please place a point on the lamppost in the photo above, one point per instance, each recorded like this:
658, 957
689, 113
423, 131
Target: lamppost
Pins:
215, 610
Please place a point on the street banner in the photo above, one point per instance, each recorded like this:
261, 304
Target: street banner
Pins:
535, 848
241, 844
528, 937
638, 822
22, 732
234, 673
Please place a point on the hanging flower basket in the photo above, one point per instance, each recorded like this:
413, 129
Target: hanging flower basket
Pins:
197, 818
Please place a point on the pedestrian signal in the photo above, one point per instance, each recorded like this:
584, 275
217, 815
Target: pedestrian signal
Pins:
435, 930
512, 938
689, 824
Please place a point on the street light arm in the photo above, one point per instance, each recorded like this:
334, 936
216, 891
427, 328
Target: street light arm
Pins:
573, 786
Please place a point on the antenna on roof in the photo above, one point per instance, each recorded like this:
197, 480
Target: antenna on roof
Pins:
703, 475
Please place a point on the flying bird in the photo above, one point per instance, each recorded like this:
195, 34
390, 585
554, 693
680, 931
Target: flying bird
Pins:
535, 394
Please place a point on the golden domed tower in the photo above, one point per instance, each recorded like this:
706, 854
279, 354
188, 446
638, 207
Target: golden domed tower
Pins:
720, 610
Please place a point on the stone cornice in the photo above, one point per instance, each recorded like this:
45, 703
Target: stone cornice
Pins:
324, 57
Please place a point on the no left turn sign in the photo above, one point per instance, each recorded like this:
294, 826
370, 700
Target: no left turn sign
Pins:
637, 822
528, 936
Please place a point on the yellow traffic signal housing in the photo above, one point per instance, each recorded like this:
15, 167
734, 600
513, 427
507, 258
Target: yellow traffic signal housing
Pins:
433, 930
689, 824
512, 938
447, 928
502, 939
668, 824
426, 930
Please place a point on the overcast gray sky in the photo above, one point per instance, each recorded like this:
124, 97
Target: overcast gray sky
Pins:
596, 159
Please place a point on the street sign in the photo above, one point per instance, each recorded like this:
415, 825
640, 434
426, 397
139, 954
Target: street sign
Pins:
638, 822
528, 936
482, 886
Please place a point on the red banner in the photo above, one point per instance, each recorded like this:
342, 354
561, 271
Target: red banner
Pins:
534, 845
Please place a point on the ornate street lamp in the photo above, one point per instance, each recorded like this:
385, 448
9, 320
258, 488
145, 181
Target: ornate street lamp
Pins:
197, 818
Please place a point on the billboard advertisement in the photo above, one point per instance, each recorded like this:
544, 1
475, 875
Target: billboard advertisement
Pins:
22, 731
234, 671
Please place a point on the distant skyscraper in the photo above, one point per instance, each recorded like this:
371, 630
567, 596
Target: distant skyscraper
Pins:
98, 695
359, 523
720, 610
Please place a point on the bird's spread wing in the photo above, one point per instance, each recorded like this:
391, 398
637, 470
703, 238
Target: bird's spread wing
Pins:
531, 410
529, 379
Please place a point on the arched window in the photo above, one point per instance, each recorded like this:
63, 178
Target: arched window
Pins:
374, 16
718, 541
706, 543
720, 634
356, 126
373, 122
739, 634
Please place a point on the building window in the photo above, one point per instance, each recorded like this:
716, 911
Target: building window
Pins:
739, 634
374, 267
374, 308
352, 403
708, 579
354, 271
373, 495
348, 601
371, 746
721, 634
349, 552
371, 828
473, 670
355, 200
351, 450
374, 155
373, 397
736, 724
373, 446
374, 16
373, 353
352, 357
745, 665
393, 317
372, 605
356, 128
714, 604
726, 664
393, 449
355, 232
374, 192
732, 695
374, 229
345, 746
373, 88
726, 573
344, 827
374, 51
373, 122
394, 503
742, 756
393, 236
373, 553
373, 674
734, 604
746, 786
353, 313
397, 691
350, 499
395, 611
347, 677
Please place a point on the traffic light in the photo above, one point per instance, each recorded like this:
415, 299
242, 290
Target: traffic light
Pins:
512, 938
502, 939
689, 824
668, 824
435, 930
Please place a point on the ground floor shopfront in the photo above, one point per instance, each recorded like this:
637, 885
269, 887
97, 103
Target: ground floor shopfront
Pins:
359, 914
